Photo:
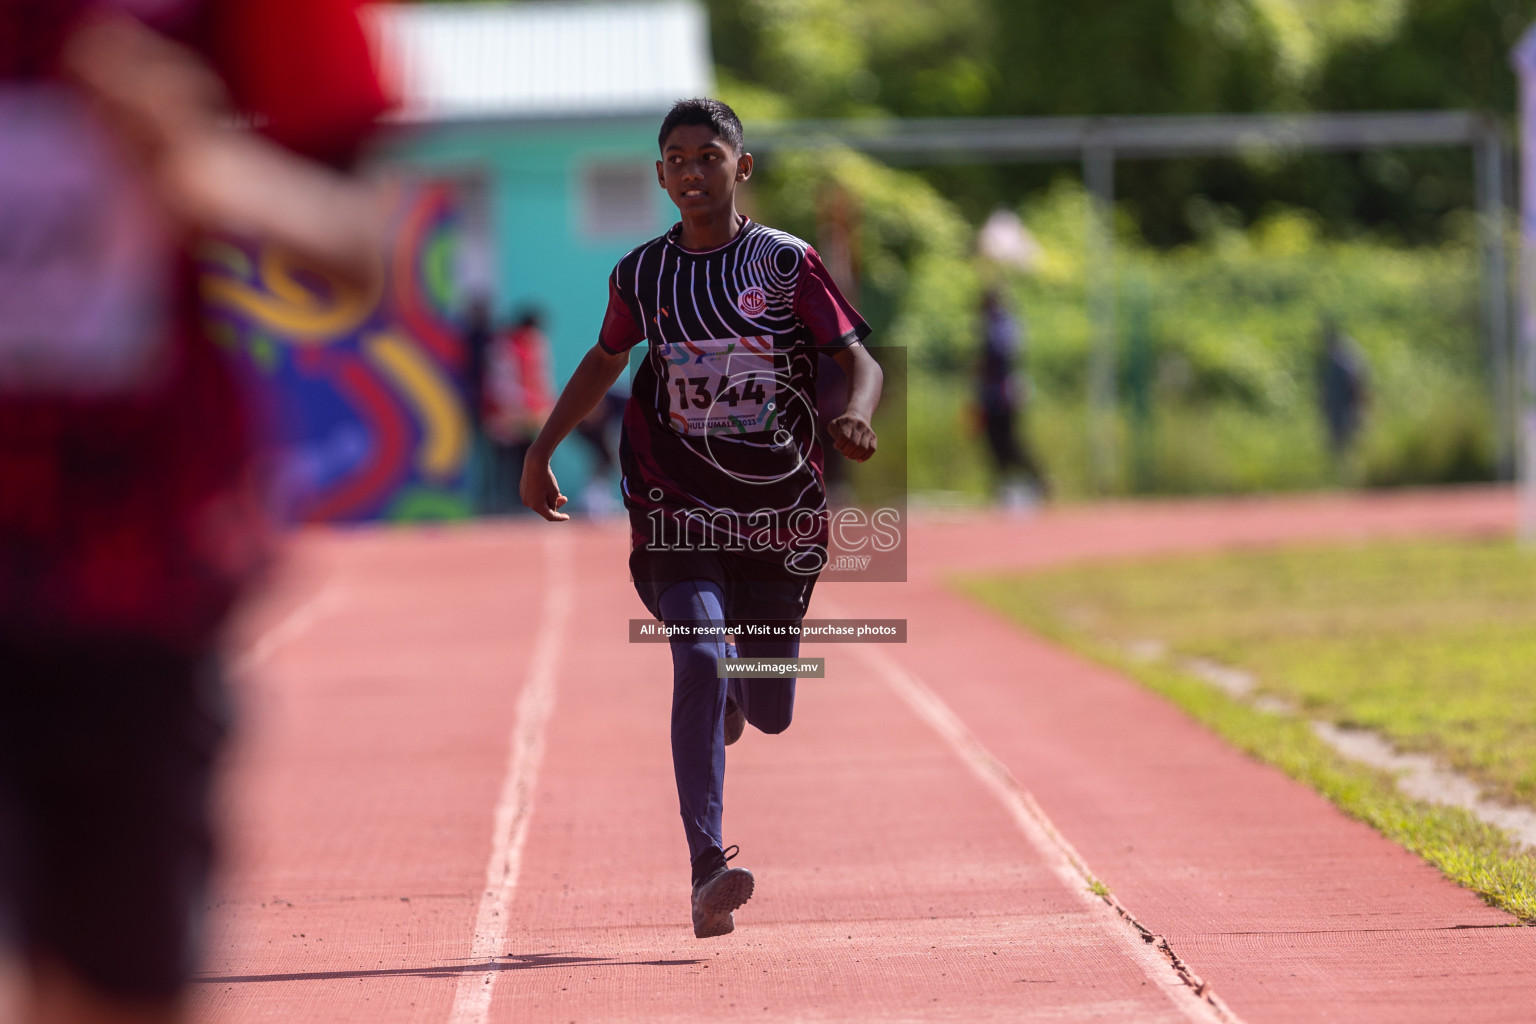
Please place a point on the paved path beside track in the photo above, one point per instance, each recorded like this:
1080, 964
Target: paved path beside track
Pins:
453, 803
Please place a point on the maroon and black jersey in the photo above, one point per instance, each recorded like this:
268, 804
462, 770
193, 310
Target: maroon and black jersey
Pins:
719, 442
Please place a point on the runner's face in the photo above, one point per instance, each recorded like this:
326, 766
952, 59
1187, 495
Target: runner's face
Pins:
700, 170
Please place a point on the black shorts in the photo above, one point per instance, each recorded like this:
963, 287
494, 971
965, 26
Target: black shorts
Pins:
106, 756
755, 590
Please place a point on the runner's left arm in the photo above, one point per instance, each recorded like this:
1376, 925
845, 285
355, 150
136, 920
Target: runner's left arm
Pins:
851, 432
837, 329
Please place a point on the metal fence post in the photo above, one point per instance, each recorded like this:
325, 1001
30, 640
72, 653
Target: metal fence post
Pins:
1099, 281
1524, 60
1488, 154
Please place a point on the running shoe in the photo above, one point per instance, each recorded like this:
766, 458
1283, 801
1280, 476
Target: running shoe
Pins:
717, 891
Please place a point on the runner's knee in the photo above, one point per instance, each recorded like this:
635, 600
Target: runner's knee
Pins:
770, 704
773, 724
694, 664
695, 603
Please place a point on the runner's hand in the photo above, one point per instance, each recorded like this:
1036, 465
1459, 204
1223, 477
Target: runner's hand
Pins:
853, 436
540, 490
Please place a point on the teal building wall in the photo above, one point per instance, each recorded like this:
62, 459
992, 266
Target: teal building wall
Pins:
540, 251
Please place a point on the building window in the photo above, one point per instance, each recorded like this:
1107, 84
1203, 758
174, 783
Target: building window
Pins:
618, 199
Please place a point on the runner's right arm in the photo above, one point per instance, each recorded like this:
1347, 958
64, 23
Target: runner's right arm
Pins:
597, 373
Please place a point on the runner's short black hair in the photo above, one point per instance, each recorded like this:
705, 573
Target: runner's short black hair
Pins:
711, 113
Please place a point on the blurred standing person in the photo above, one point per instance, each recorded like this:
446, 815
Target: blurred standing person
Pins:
1343, 381
477, 342
1001, 394
600, 430
129, 521
517, 397
477, 338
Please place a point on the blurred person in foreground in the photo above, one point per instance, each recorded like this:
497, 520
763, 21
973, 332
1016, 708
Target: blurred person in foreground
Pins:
129, 522
1001, 393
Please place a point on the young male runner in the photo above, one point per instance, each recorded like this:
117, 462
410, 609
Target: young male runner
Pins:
723, 477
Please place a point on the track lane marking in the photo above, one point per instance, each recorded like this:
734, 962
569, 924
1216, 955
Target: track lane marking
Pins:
289, 627
514, 808
1162, 967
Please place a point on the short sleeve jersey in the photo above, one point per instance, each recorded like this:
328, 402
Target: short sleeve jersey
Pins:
721, 421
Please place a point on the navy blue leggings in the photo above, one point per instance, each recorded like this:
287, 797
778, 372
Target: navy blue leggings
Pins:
698, 706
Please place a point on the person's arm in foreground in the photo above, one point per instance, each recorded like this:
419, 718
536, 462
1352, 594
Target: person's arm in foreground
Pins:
597, 373
215, 176
851, 432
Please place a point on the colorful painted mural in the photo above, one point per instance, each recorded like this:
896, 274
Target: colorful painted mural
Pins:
365, 392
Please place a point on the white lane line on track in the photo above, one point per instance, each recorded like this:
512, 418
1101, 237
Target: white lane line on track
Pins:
290, 627
514, 809
1064, 861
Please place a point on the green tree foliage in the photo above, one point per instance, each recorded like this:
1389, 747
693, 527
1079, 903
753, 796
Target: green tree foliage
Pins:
835, 58
1442, 53
915, 58
1109, 57
1046, 57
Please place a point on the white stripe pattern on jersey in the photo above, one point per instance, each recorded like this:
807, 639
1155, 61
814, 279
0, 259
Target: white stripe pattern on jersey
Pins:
682, 296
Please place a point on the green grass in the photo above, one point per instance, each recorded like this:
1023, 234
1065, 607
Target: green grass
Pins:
1426, 643
1226, 449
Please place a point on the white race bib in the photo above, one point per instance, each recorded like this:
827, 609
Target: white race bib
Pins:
722, 386
85, 261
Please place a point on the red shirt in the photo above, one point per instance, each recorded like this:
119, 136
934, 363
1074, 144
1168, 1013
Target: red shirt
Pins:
518, 393
132, 510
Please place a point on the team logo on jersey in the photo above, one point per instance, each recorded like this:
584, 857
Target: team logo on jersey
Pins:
753, 302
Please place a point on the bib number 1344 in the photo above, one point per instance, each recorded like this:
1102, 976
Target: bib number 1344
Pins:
724, 386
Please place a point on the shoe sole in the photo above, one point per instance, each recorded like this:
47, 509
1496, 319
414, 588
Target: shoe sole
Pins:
729, 892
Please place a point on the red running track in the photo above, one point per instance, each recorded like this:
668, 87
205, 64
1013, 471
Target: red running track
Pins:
453, 803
